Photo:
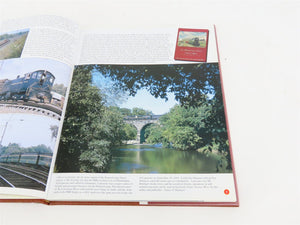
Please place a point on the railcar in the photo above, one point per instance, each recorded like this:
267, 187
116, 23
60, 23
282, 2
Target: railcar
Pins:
35, 86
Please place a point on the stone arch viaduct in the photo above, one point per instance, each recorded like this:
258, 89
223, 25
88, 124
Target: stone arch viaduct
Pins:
140, 122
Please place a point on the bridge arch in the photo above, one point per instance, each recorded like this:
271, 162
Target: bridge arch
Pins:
142, 132
141, 123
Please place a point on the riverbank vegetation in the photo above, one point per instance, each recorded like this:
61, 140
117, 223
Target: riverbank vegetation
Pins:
92, 128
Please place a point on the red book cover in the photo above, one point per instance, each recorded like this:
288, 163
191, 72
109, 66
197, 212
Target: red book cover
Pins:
191, 45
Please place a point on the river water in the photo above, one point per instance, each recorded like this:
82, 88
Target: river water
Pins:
151, 159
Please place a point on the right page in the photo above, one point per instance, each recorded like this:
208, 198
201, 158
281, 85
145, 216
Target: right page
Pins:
143, 128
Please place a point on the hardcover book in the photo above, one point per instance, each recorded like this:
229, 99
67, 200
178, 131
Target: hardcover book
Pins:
110, 117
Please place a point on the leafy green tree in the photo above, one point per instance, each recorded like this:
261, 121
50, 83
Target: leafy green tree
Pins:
54, 131
90, 130
60, 89
14, 148
180, 128
140, 112
194, 86
126, 112
130, 132
153, 135
82, 127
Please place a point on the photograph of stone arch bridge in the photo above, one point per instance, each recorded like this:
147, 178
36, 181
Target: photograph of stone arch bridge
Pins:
141, 123
145, 119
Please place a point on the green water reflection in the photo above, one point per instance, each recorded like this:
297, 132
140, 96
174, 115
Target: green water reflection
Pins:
150, 159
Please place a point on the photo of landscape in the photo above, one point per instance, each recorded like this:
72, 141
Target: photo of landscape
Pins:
145, 119
12, 43
26, 148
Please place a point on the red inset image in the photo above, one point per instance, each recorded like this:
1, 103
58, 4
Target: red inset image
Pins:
191, 45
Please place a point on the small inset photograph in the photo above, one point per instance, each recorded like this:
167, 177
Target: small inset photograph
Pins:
33, 85
192, 39
27, 143
12, 43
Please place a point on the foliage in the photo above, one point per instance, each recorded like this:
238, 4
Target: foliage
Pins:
60, 89
199, 121
81, 126
90, 128
14, 148
132, 112
7, 36
140, 112
153, 135
54, 131
180, 128
130, 132
194, 85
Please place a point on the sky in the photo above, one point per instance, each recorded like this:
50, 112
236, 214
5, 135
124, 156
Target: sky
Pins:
146, 101
143, 99
188, 34
11, 68
14, 31
27, 129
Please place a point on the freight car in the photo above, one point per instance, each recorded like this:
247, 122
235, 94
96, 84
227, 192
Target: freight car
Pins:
34, 86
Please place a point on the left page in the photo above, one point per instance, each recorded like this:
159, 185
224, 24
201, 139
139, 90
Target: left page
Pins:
36, 58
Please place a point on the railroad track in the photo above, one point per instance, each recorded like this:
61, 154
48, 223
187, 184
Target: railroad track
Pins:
31, 107
16, 176
41, 175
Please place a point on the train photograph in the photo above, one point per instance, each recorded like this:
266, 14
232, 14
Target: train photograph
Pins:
27, 142
32, 97
35, 83
192, 39
12, 43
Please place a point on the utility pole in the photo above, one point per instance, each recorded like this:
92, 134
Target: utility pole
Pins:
3, 135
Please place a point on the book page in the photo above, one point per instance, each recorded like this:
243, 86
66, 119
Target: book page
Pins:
133, 47
140, 126
48, 37
35, 73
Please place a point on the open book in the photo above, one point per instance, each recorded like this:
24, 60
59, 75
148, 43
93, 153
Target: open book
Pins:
110, 117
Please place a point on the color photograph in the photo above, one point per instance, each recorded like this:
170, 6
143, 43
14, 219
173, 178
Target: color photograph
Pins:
192, 39
35, 83
26, 148
12, 43
145, 119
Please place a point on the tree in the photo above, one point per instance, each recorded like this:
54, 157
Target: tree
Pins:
193, 85
60, 89
140, 112
130, 132
81, 128
14, 148
90, 130
54, 131
181, 128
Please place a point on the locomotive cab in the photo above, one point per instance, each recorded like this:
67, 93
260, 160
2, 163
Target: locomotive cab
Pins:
34, 86
42, 82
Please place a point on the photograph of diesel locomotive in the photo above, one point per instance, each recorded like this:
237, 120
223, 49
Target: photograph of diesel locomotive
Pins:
32, 92
42, 82
31, 86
